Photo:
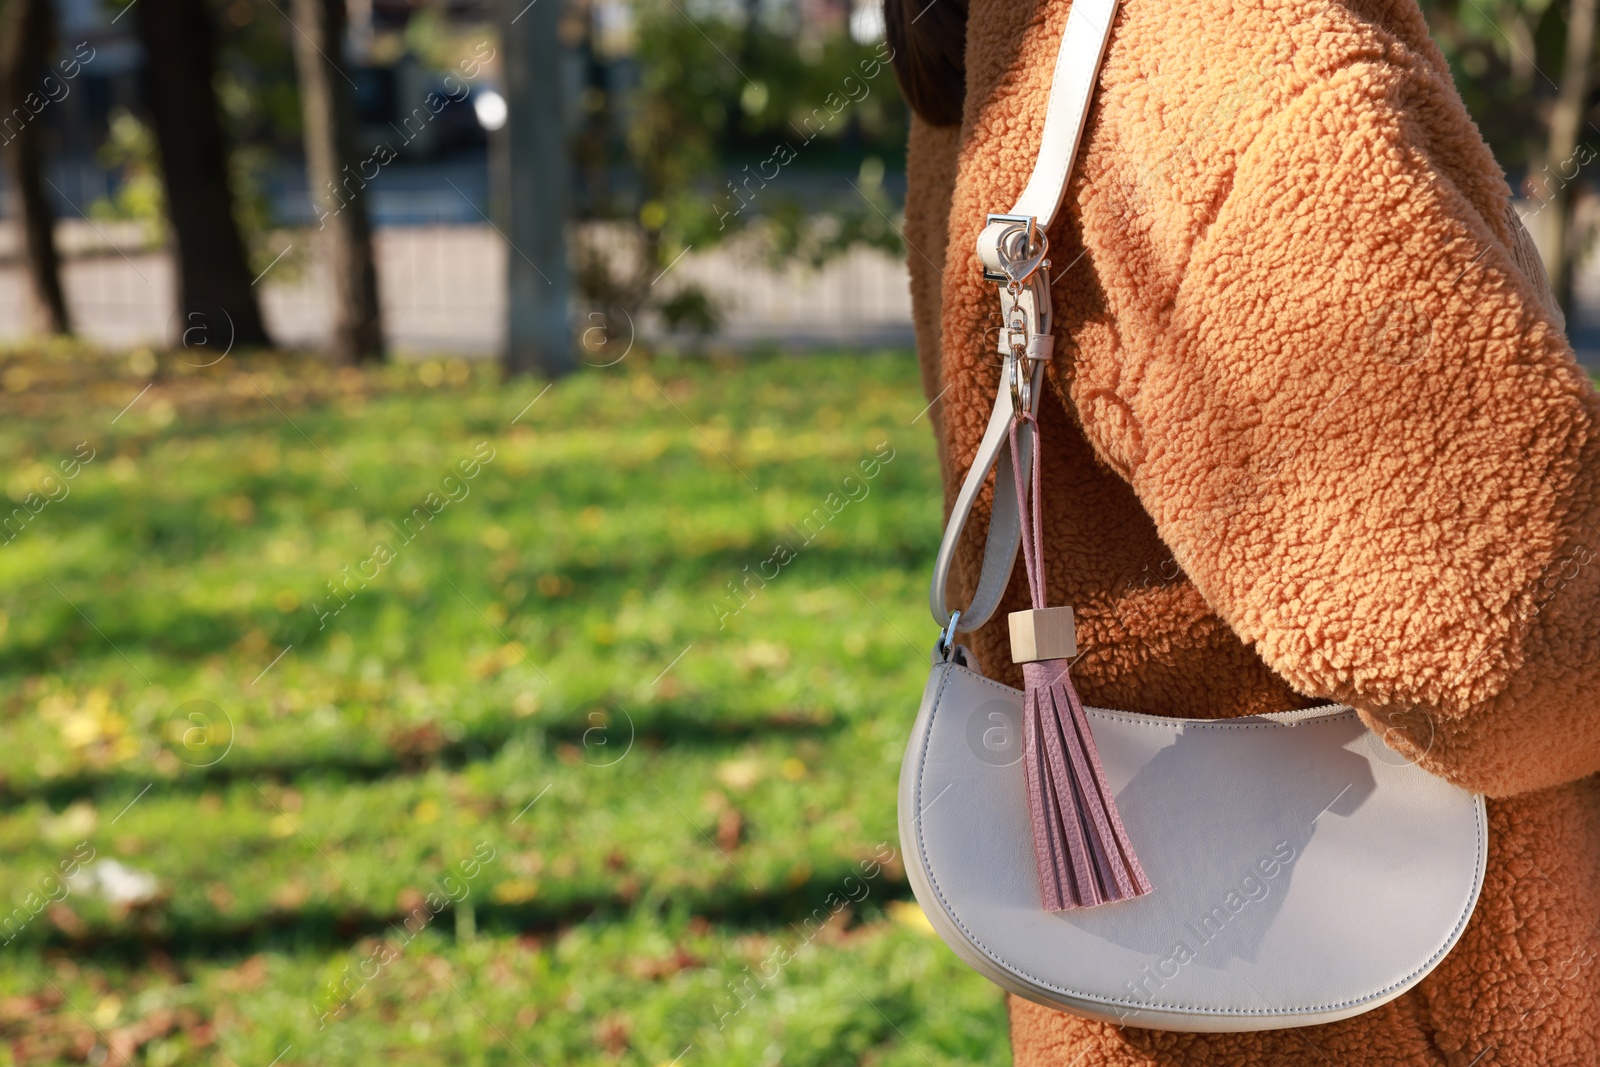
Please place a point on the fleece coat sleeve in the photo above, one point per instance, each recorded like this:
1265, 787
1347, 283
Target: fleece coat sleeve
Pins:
1306, 334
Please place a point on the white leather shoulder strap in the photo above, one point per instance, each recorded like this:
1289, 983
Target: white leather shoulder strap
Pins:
1012, 248
1083, 46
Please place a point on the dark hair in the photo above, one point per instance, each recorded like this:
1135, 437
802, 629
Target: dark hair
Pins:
929, 38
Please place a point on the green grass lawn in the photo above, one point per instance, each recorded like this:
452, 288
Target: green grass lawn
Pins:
461, 722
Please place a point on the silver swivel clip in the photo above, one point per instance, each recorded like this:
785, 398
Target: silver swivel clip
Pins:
1020, 364
1013, 250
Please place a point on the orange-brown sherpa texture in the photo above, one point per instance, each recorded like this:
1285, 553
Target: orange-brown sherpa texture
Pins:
1324, 439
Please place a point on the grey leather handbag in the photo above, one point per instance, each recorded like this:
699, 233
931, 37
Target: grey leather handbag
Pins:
1199, 875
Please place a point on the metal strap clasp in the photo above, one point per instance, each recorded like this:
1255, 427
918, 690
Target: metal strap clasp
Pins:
1013, 251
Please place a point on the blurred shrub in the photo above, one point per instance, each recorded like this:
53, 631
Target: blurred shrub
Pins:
696, 125
130, 151
1504, 55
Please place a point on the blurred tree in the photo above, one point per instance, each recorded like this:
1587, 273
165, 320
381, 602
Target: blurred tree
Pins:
213, 275
338, 187
259, 105
1566, 120
28, 40
1524, 69
538, 328
259, 100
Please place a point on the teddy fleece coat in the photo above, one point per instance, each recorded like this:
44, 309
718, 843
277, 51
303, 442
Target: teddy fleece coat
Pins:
1315, 432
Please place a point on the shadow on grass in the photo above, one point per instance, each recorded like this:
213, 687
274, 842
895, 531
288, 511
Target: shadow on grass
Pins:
731, 904
654, 730
127, 622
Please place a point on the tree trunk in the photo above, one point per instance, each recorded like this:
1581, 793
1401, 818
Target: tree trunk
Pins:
22, 64
216, 299
1566, 120
538, 279
337, 174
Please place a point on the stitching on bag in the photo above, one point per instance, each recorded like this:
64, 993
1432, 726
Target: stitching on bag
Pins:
1449, 942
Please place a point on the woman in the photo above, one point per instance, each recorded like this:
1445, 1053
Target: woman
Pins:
1315, 432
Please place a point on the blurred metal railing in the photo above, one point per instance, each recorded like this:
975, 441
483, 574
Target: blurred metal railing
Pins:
442, 291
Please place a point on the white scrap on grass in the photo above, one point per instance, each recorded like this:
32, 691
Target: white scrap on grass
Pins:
117, 883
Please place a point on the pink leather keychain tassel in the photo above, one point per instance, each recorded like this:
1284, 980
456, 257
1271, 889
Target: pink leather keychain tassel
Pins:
1082, 850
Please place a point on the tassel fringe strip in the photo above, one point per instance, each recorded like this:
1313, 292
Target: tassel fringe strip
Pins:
1083, 852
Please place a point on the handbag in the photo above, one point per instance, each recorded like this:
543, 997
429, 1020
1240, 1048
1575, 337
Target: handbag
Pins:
1197, 875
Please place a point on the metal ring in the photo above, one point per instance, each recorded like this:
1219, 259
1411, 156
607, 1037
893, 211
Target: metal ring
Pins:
947, 638
1015, 243
1021, 386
